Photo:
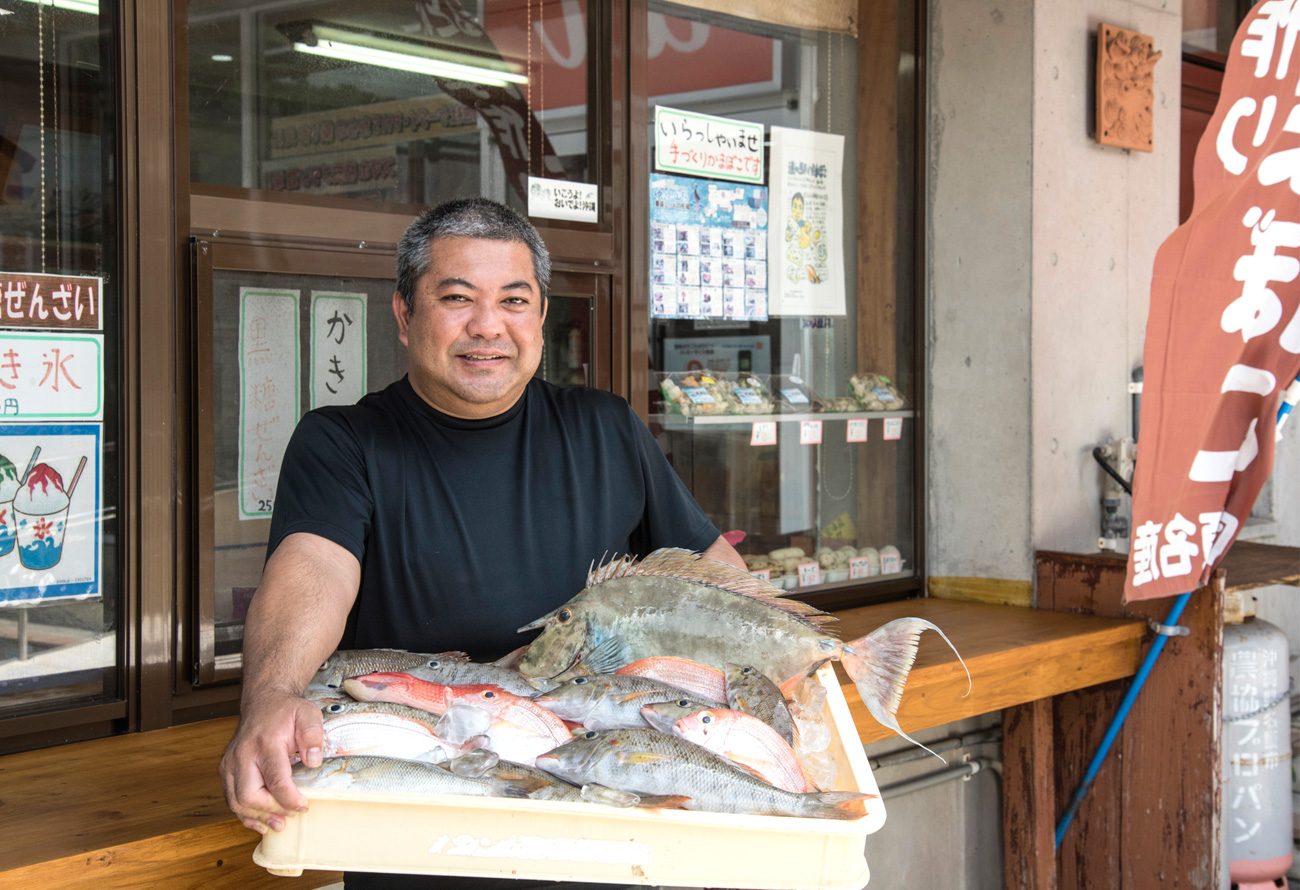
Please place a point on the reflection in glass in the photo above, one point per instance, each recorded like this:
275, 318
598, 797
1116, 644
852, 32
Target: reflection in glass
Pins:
58, 358
400, 102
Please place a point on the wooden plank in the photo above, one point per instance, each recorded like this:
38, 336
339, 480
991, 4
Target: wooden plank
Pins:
215, 855
1028, 797
1250, 564
1161, 778
997, 591
1015, 655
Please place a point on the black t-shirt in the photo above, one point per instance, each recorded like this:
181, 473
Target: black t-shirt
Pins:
469, 529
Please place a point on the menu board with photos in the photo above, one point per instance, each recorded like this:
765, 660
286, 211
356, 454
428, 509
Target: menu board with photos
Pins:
708, 249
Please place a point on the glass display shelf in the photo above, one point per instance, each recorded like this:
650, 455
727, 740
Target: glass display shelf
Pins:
673, 420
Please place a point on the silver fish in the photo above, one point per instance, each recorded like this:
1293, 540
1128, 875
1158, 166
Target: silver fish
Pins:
392, 776
606, 701
676, 603
346, 663
751, 691
452, 671
664, 715
647, 762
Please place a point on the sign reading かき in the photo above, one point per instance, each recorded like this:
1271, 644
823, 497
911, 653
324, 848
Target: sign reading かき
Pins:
1223, 333
268, 393
338, 348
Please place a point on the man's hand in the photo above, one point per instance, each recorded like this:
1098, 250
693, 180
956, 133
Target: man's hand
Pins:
255, 770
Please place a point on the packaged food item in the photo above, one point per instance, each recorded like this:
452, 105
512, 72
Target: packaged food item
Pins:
704, 393
838, 404
793, 393
876, 392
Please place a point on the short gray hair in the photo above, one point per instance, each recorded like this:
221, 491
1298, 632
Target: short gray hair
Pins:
466, 218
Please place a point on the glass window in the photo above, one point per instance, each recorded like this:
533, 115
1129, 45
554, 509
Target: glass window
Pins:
1210, 25
59, 327
782, 372
402, 102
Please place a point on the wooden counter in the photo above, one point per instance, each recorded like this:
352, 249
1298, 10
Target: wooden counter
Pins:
146, 809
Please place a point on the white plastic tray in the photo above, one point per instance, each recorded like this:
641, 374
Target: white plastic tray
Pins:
544, 840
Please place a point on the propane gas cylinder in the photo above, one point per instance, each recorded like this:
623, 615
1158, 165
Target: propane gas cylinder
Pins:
1256, 752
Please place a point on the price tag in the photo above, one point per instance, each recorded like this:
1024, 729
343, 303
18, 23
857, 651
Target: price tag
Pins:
810, 573
763, 575
763, 432
893, 427
857, 430
859, 567
890, 565
810, 432
698, 394
794, 396
748, 397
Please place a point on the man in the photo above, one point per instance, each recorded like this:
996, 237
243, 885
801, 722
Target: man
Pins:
448, 509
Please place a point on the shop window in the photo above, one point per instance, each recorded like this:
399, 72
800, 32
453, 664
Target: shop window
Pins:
782, 377
395, 102
1210, 25
60, 311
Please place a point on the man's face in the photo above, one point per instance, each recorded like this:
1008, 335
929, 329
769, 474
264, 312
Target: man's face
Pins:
475, 337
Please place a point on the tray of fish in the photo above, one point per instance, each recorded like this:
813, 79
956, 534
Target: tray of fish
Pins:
623, 745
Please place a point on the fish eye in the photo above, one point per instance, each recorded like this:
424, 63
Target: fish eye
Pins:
683, 703
564, 615
433, 663
489, 694
706, 719
589, 734
579, 681
749, 671
335, 708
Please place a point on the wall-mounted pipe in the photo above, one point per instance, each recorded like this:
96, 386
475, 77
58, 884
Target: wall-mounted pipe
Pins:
938, 777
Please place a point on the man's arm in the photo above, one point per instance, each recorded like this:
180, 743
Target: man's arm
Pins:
294, 623
724, 552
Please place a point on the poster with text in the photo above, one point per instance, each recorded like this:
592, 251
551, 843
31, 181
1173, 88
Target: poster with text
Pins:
50, 522
338, 348
806, 237
268, 393
708, 249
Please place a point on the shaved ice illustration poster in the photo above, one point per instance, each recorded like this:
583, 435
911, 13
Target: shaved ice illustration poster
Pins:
806, 237
50, 522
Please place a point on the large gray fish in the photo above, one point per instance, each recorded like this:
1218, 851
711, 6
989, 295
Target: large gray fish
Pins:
751, 691
390, 775
606, 701
648, 762
676, 603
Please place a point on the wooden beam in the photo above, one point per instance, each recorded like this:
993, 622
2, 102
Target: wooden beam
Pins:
1028, 797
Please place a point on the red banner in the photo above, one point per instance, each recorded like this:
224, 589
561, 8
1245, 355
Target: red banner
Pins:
1223, 334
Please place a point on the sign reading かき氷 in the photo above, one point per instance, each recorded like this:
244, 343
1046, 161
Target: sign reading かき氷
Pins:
1223, 333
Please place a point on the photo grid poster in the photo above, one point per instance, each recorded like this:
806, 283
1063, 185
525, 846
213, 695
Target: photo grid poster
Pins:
807, 231
708, 249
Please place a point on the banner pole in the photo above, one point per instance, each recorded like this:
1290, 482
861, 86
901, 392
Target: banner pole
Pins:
1157, 646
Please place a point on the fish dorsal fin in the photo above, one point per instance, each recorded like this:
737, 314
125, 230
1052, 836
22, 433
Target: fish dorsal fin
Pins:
674, 562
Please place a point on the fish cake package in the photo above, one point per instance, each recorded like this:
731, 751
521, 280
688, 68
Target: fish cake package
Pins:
428, 832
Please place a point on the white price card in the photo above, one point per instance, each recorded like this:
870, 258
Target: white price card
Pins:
763, 433
893, 428
763, 575
856, 430
810, 432
890, 565
859, 567
810, 573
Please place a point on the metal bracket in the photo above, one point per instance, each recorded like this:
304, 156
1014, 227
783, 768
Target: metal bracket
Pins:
1169, 630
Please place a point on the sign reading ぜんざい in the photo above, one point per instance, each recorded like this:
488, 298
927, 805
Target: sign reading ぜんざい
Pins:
1223, 334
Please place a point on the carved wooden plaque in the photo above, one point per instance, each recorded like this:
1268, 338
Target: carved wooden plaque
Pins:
1126, 61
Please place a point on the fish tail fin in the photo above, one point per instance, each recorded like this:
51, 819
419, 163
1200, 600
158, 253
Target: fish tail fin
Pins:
879, 664
522, 787
839, 804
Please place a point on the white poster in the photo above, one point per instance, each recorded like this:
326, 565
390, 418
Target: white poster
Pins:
268, 392
50, 520
52, 376
338, 348
806, 230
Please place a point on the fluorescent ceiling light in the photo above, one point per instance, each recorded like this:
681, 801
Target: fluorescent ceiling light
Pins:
403, 55
87, 6
222, 57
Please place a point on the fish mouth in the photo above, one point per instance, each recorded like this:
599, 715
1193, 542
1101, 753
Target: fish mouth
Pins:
540, 622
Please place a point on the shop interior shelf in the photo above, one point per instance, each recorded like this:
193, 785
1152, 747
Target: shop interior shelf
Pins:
674, 421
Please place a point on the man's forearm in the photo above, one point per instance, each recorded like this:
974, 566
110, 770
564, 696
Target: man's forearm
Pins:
297, 615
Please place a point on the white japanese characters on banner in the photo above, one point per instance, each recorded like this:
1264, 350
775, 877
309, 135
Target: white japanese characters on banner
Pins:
268, 393
806, 235
338, 348
1223, 332
50, 539
708, 249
